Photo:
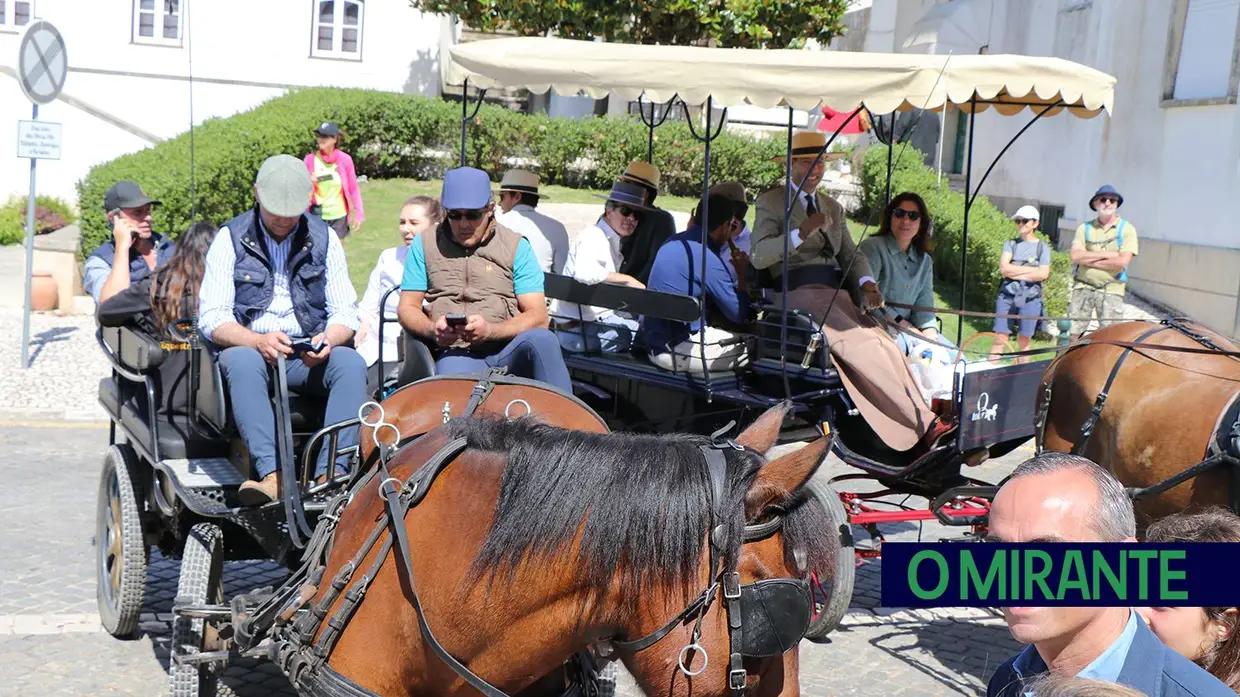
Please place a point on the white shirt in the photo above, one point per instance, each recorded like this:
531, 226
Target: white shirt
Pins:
218, 292
387, 274
595, 253
547, 236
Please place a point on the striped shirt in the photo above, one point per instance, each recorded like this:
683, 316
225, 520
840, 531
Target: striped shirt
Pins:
215, 299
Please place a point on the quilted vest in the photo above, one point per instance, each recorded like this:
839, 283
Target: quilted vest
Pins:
475, 281
307, 271
138, 270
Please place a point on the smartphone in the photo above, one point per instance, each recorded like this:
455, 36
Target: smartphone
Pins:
456, 320
306, 346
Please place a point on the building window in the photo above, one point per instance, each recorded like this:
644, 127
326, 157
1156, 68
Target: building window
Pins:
1202, 59
337, 29
158, 22
15, 14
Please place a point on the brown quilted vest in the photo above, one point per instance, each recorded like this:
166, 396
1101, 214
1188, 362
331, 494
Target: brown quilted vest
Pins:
474, 281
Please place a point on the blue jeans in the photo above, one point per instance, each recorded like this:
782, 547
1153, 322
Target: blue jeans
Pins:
612, 336
341, 378
534, 353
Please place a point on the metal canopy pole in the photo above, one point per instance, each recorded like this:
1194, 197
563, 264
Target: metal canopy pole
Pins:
968, 204
703, 212
1016, 137
30, 207
652, 124
466, 115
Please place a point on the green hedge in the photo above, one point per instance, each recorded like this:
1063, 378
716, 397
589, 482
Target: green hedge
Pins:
50, 214
988, 229
393, 135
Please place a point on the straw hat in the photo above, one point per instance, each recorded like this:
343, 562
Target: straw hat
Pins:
642, 172
807, 144
519, 181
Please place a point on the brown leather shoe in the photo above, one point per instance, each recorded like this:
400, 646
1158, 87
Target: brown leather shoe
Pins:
941, 427
252, 493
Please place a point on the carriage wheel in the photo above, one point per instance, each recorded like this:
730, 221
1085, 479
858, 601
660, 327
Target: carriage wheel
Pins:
121, 550
828, 611
201, 583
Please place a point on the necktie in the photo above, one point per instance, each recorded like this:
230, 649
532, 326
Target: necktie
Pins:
811, 207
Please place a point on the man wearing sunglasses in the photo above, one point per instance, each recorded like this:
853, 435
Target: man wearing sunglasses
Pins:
484, 287
1102, 250
133, 239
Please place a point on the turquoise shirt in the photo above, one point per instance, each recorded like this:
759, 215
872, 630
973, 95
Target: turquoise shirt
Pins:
903, 277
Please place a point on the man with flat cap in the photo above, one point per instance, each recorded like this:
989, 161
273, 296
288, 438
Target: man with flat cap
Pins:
276, 284
133, 240
484, 289
518, 197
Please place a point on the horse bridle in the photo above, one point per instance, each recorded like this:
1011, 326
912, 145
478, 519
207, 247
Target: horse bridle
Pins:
765, 618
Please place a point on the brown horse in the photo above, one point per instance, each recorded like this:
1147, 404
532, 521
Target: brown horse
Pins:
537, 542
1160, 412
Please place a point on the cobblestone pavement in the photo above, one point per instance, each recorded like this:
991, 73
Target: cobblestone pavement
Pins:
51, 643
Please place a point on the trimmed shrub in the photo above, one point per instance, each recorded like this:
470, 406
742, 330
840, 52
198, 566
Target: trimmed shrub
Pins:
394, 135
989, 228
50, 214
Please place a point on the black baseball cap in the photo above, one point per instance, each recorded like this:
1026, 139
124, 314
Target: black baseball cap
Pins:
126, 194
328, 129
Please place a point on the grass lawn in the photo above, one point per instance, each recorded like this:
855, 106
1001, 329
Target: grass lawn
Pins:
383, 199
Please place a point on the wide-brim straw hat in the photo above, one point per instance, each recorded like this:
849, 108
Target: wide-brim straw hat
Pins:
627, 193
643, 173
519, 181
807, 144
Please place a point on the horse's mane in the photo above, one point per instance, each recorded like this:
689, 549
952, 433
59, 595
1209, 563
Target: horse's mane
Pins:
642, 498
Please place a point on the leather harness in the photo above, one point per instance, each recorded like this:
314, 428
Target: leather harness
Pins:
764, 619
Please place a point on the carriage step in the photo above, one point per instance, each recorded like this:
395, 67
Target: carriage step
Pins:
208, 486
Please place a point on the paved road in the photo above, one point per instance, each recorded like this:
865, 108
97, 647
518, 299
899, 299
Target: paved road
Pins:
51, 644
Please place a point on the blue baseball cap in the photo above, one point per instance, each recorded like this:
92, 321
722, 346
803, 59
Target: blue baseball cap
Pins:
1105, 190
465, 188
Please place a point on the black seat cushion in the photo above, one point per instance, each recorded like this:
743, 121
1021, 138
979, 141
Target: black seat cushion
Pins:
177, 438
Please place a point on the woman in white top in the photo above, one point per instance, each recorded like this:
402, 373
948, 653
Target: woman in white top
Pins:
592, 259
418, 214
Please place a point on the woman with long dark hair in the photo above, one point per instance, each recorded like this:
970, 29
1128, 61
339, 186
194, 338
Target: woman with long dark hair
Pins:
156, 304
1205, 635
902, 262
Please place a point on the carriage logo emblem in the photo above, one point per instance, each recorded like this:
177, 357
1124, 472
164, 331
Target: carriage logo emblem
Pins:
985, 412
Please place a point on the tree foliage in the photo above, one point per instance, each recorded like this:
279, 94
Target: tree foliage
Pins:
725, 23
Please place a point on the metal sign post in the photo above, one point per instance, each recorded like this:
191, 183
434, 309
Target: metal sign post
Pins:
42, 66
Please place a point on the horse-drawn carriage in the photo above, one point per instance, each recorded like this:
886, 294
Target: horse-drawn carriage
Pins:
437, 488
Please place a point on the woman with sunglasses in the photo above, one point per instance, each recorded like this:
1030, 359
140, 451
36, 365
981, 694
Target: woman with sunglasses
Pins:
595, 257
1205, 635
902, 265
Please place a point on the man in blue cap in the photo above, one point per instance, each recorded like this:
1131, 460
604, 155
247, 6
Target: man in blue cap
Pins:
1102, 249
484, 288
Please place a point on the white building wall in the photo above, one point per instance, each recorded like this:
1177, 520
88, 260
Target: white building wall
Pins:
121, 96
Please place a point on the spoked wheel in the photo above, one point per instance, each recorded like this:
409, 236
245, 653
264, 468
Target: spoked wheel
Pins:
831, 597
201, 583
121, 550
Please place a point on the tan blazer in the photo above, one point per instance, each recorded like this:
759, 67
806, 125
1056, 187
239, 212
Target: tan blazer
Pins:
830, 242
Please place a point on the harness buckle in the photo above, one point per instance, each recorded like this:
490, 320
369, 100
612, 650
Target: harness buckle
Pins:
736, 679
731, 585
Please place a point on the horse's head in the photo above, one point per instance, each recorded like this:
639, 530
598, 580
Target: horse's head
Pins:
764, 540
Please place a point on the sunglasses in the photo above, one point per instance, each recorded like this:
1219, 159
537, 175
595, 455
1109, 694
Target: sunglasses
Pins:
911, 215
467, 215
625, 211
1107, 199
1022, 221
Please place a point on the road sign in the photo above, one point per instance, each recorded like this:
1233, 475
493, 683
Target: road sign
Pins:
42, 63
38, 139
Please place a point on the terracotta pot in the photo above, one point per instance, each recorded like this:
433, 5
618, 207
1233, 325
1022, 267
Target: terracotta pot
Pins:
43, 291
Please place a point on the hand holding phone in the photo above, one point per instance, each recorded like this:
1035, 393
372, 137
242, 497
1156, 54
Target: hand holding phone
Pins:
456, 320
306, 346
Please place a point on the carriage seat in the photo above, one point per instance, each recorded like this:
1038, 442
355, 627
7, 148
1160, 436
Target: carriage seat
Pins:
417, 360
135, 358
211, 399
